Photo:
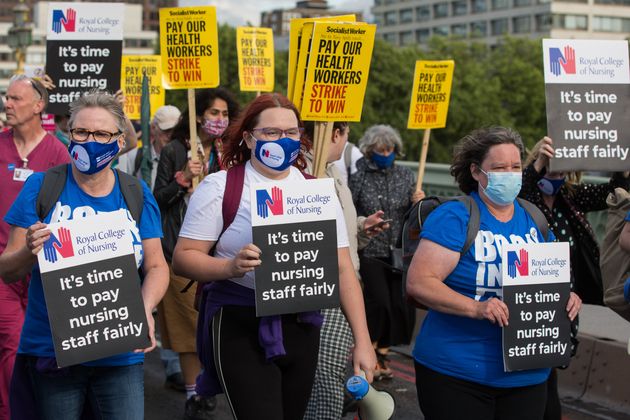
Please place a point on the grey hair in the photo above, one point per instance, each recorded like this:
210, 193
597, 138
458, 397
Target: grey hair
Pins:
40, 90
380, 135
98, 99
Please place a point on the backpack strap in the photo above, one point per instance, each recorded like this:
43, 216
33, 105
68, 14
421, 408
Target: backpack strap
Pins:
474, 221
137, 162
537, 215
131, 189
52, 186
347, 157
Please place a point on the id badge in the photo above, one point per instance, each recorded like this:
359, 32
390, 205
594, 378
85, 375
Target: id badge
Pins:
21, 174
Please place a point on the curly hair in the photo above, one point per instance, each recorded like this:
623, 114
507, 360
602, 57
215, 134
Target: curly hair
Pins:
474, 147
236, 152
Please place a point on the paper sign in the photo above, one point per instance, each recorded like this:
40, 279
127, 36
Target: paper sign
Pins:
294, 225
430, 94
587, 91
255, 52
133, 67
189, 46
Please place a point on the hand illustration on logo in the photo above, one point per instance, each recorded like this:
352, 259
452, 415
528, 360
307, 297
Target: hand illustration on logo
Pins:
520, 263
56, 20
555, 56
568, 64
49, 250
262, 196
276, 205
264, 202
68, 22
63, 245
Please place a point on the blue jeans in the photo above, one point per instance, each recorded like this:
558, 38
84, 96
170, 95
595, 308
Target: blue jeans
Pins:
112, 392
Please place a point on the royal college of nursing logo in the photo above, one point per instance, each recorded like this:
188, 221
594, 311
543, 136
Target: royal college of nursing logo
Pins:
266, 203
518, 263
67, 20
559, 61
62, 245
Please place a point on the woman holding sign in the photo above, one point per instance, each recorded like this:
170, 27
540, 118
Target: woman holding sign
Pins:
264, 365
458, 352
112, 387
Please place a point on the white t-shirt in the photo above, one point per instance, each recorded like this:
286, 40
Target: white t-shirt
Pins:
204, 216
355, 155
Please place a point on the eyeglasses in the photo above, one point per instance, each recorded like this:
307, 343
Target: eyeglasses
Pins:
100, 136
273, 133
37, 86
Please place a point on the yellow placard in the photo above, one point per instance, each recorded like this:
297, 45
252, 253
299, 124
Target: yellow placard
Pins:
338, 69
189, 47
254, 48
132, 69
295, 35
431, 94
302, 63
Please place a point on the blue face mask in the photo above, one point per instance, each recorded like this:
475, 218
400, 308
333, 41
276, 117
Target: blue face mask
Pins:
92, 157
383, 161
503, 187
277, 154
550, 186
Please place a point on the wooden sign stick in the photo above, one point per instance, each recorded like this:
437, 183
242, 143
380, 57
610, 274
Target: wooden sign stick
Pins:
192, 126
423, 158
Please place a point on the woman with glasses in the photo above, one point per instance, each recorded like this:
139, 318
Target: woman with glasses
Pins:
112, 387
264, 365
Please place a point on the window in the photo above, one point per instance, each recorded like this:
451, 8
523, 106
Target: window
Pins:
619, 2
422, 36
423, 13
406, 15
440, 10
575, 22
521, 25
459, 30
479, 29
522, 3
610, 24
460, 8
500, 4
440, 31
406, 38
391, 18
543, 22
499, 26
479, 6
391, 38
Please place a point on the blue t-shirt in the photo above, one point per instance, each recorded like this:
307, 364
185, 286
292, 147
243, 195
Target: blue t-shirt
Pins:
462, 347
627, 219
73, 203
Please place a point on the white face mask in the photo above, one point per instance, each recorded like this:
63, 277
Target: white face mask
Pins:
503, 187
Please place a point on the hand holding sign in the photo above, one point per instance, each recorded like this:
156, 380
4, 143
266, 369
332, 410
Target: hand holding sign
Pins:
494, 310
36, 236
247, 259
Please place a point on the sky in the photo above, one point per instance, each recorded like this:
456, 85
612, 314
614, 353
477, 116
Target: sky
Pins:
239, 12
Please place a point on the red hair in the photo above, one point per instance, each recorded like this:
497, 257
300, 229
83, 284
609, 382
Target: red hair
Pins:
236, 152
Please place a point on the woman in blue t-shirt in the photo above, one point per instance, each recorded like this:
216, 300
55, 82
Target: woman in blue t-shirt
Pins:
459, 366
112, 387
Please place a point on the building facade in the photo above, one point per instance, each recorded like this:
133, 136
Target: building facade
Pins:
404, 22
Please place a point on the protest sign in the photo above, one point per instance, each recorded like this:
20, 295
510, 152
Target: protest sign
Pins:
304, 53
536, 287
337, 72
83, 50
254, 47
189, 46
295, 41
294, 225
92, 288
133, 67
587, 89
431, 94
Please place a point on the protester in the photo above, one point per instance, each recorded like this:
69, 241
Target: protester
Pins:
61, 129
177, 315
327, 396
347, 162
274, 377
458, 355
160, 129
378, 184
114, 384
24, 148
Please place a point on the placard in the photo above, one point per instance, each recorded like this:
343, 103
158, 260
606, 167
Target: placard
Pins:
83, 50
587, 89
189, 47
92, 288
536, 288
430, 94
254, 47
294, 225
133, 67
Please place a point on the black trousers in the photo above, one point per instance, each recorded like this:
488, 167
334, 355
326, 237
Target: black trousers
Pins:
444, 397
254, 387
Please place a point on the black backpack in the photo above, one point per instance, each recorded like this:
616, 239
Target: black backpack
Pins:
418, 213
55, 180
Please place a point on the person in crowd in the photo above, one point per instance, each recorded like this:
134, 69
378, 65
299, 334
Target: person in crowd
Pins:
273, 376
458, 354
347, 162
160, 128
624, 238
378, 184
25, 148
327, 396
215, 108
61, 128
114, 384
565, 201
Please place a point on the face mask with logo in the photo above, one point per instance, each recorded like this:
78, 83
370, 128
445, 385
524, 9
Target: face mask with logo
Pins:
215, 127
550, 186
92, 157
503, 187
383, 161
277, 154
